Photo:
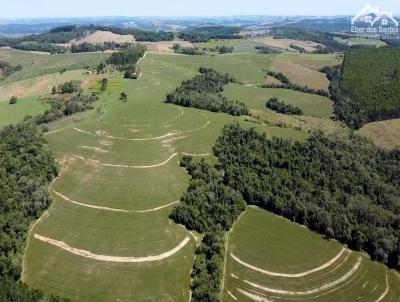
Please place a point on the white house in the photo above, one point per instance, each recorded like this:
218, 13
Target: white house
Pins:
385, 19
366, 15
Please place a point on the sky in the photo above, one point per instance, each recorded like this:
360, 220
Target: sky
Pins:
173, 8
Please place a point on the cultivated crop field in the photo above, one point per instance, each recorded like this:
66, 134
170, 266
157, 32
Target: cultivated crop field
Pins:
108, 236
272, 259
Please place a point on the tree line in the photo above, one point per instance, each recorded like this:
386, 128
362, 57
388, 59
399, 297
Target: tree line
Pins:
287, 84
281, 107
204, 92
26, 169
209, 207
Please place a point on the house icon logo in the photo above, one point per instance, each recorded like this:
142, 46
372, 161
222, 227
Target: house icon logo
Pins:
372, 20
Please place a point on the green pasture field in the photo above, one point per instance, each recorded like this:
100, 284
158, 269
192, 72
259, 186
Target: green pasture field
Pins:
385, 134
256, 97
300, 73
144, 132
276, 245
14, 113
37, 64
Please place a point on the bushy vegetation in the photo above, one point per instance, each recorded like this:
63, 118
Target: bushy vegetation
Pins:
287, 84
222, 49
209, 207
192, 51
67, 100
204, 92
266, 49
26, 168
13, 100
7, 69
281, 107
347, 190
40, 46
298, 48
367, 87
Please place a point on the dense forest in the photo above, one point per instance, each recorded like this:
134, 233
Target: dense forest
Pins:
367, 86
125, 60
281, 107
209, 207
347, 190
204, 92
287, 84
26, 168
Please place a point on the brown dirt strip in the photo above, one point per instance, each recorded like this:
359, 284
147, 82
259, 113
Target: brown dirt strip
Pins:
96, 162
298, 275
113, 209
311, 291
83, 253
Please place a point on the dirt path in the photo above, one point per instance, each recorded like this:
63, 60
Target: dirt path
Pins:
87, 254
298, 275
113, 209
82, 131
311, 291
195, 155
384, 294
253, 296
52, 132
232, 296
125, 166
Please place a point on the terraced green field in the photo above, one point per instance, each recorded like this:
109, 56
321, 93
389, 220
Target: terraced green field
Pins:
272, 259
107, 237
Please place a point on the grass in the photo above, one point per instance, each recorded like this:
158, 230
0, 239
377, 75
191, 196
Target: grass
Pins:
146, 116
275, 244
300, 74
38, 64
11, 114
143, 116
256, 97
42, 85
385, 134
